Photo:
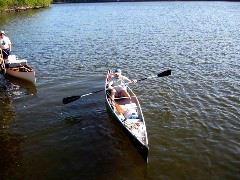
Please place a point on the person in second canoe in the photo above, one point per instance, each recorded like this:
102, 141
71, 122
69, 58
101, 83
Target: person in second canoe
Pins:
5, 45
117, 85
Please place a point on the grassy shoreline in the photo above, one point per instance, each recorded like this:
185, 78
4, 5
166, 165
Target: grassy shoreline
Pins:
21, 5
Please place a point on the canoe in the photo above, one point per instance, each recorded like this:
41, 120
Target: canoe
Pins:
24, 72
20, 69
130, 118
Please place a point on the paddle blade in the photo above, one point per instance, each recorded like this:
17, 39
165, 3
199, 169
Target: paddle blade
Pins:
119, 108
165, 73
70, 99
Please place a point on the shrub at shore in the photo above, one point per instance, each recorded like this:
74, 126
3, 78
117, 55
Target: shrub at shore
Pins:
17, 5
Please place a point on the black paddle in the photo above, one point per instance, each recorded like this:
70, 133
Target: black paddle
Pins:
69, 99
162, 74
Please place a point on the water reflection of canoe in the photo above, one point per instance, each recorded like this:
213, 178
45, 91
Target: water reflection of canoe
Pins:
131, 120
18, 68
23, 72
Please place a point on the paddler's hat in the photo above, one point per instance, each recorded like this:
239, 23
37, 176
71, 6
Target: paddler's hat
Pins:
2, 32
118, 71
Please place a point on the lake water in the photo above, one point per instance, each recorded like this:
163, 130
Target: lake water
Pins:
192, 116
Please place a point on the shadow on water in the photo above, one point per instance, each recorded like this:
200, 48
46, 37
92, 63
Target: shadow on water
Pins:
7, 17
10, 150
88, 138
10, 143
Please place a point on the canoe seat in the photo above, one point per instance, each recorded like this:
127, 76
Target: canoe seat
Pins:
13, 62
130, 111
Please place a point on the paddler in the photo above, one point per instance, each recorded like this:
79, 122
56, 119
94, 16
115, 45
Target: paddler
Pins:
117, 85
5, 44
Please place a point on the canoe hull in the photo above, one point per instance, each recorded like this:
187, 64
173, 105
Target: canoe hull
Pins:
20, 69
27, 76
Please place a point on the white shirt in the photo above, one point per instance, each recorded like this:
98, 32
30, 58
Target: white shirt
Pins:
119, 84
5, 42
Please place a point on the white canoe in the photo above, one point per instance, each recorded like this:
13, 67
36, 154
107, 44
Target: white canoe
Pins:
24, 73
131, 120
18, 68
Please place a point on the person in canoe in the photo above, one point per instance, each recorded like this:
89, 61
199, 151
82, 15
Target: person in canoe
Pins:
117, 85
5, 45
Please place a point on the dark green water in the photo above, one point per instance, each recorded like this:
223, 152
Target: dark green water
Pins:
192, 117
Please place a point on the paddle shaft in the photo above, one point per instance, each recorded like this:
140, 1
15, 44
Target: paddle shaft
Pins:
69, 99
2, 63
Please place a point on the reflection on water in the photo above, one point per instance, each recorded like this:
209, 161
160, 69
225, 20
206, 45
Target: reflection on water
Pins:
10, 143
18, 87
7, 114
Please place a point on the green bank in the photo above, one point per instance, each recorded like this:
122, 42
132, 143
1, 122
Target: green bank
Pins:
14, 5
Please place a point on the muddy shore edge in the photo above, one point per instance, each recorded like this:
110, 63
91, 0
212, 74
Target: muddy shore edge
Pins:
21, 8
